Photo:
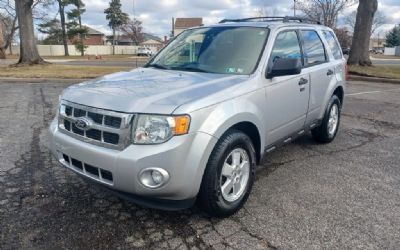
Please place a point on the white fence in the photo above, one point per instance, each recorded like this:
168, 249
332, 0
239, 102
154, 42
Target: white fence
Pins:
58, 50
392, 51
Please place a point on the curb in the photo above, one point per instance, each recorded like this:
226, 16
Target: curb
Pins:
373, 79
385, 59
40, 80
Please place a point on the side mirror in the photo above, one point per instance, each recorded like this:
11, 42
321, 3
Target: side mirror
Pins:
285, 67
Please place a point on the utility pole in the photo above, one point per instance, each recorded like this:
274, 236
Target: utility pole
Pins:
294, 7
134, 11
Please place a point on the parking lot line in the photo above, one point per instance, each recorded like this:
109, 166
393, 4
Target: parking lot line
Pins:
373, 92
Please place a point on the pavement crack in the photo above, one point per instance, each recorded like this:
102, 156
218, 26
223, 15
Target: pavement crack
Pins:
380, 123
254, 235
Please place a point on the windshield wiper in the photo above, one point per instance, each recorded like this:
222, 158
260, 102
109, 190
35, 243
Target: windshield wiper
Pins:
193, 69
157, 66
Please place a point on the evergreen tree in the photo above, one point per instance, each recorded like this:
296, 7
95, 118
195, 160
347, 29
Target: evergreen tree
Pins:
77, 32
393, 37
116, 18
53, 31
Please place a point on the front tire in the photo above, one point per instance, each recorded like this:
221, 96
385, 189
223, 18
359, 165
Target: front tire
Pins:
229, 175
327, 130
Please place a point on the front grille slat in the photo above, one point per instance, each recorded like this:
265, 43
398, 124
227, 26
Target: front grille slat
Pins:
94, 134
111, 121
76, 163
68, 110
67, 125
92, 170
83, 168
107, 129
97, 118
110, 138
79, 112
77, 130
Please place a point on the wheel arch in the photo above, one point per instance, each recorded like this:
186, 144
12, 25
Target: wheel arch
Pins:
339, 92
251, 130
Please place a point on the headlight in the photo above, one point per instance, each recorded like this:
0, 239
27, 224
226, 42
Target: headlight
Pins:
155, 129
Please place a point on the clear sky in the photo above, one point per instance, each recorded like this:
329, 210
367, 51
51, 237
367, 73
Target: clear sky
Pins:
156, 14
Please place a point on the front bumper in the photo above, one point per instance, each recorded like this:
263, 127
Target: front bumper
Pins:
183, 157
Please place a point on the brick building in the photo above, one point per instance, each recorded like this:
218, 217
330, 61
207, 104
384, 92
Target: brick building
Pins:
184, 23
93, 37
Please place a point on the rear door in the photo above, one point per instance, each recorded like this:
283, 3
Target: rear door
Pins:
337, 59
321, 71
287, 96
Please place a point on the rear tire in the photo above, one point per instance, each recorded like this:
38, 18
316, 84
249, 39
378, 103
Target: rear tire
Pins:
327, 130
229, 175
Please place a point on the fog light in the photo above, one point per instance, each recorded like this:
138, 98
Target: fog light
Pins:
153, 177
157, 177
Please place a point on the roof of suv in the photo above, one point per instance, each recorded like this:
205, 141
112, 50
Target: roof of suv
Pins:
273, 23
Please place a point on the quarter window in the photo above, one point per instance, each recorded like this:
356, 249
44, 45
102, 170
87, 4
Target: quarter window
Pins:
314, 51
286, 46
333, 45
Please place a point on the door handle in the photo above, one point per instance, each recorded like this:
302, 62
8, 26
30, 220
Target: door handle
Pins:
303, 81
330, 72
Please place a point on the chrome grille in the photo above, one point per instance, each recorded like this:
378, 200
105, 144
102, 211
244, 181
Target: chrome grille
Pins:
107, 129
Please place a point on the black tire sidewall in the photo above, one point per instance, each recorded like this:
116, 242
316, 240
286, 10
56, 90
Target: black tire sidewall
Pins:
321, 133
324, 126
210, 192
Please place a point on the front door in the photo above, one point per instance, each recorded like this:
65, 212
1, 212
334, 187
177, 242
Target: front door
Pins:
287, 96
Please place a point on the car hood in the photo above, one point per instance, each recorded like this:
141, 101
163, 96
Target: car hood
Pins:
147, 90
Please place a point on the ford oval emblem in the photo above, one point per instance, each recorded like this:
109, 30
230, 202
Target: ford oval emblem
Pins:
83, 123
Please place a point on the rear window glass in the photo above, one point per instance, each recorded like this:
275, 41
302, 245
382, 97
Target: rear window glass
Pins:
314, 51
333, 45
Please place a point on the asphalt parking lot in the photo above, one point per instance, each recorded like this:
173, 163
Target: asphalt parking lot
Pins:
345, 195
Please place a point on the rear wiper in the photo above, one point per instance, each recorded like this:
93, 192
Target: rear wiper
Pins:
157, 66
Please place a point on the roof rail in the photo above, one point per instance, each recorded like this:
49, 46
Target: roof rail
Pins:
284, 19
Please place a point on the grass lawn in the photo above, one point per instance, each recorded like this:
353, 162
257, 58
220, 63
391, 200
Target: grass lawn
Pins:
59, 71
103, 57
92, 57
385, 71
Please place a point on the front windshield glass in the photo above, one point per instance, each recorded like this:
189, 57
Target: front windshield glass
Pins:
223, 50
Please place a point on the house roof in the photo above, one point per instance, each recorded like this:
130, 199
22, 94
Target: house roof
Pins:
184, 23
92, 31
147, 37
151, 37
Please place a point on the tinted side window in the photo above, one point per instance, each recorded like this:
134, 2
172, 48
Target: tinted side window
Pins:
286, 46
333, 44
314, 51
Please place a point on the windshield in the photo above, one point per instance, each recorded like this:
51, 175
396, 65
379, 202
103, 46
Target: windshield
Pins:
223, 50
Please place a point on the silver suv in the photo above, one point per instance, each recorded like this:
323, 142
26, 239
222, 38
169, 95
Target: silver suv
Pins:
194, 122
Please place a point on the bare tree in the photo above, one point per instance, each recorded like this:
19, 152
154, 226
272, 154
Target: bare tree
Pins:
343, 37
262, 12
359, 54
134, 31
8, 27
379, 20
323, 11
29, 54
